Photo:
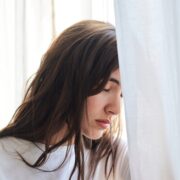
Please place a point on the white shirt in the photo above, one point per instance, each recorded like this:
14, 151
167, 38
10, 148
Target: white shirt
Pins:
13, 168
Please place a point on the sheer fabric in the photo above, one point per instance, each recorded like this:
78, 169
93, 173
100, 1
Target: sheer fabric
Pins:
149, 49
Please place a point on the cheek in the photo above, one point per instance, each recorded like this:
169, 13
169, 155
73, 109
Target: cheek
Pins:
94, 103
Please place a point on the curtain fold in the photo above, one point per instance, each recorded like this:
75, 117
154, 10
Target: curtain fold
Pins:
149, 50
25, 34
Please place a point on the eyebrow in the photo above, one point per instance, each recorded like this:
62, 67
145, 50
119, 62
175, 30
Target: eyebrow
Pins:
115, 81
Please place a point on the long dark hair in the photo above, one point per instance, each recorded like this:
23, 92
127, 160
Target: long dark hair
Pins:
77, 65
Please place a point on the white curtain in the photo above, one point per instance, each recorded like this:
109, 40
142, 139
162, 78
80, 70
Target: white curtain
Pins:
149, 52
68, 12
25, 33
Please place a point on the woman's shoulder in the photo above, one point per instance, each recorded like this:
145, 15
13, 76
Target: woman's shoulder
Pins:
12, 144
10, 147
7, 144
8, 155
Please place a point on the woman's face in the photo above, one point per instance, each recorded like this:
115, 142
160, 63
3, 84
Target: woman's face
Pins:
102, 108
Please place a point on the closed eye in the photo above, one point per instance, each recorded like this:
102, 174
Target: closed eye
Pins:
106, 90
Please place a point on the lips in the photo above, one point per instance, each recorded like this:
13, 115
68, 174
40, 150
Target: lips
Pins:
103, 123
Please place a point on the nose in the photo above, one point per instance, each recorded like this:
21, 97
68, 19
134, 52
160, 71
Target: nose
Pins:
113, 107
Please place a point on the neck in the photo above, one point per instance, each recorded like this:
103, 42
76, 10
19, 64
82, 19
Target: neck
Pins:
60, 135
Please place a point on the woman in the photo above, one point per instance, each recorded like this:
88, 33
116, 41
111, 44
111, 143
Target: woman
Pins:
65, 127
